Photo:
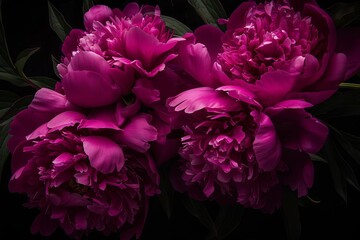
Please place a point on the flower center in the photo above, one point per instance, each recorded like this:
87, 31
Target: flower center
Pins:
224, 143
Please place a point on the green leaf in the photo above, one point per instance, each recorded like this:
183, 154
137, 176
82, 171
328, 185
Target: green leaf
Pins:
87, 4
228, 219
200, 212
317, 158
58, 22
178, 27
3, 111
345, 14
13, 79
209, 10
16, 107
23, 57
55, 63
291, 216
44, 82
307, 201
4, 51
4, 152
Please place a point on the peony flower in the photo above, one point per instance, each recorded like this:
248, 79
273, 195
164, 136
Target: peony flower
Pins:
84, 170
279, 50
123, 56
234, 150
135, 37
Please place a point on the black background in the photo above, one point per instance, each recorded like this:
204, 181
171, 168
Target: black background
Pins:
26, 25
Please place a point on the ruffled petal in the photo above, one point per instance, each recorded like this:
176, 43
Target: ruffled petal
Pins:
202, 98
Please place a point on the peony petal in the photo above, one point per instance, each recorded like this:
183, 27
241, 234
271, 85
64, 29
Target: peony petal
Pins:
141, 46
145, 91
292, 104
41, 131
138, 133
18, 130
100, 13
88, 73
266, 145
47, 100
65, 119
94, 124
323, 22
210, 36
71, 42
237, 18
240, 94
272, 87
196, 61
334, 74
104, 155
203, 98
131, 9
123, 112
298, 130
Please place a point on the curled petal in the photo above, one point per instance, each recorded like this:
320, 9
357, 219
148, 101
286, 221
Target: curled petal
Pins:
104, 155
138, 132
266, 145
47, 100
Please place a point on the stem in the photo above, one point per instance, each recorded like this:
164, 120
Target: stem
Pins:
350, 85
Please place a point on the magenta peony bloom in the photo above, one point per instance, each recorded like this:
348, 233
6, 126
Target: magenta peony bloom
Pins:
84, 170
277, 49
235, 150
135, 37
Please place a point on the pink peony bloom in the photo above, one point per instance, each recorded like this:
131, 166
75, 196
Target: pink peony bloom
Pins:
123, 56
277, 49
135, 37
84, 170
235, 150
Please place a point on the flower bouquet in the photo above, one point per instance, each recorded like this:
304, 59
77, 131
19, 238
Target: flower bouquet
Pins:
211, 119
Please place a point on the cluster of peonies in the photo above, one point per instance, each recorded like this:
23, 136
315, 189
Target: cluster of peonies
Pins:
85, 152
